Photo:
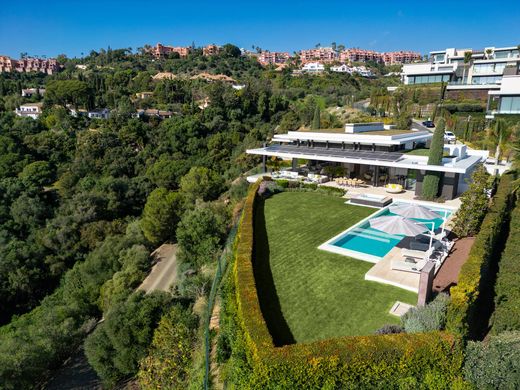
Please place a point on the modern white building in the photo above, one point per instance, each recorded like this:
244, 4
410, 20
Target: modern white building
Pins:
313, 67
485, 69
378, 156
31, 110
343, 68
508, 97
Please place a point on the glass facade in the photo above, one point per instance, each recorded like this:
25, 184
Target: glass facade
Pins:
436, 78
489, 68
484, 80
509, 105
506, 54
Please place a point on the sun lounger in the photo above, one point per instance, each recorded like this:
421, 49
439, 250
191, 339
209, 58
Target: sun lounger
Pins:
408, 265
416, 254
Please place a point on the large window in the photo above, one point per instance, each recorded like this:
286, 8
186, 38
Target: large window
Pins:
426, 79
489, 68
485, 80
509, 105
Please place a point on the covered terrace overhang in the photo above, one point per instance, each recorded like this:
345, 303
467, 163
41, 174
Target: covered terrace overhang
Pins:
373, 158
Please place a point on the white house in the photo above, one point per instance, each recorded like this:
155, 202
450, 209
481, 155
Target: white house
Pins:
103, 113
343, 68
31, 110
313, 67
28, 92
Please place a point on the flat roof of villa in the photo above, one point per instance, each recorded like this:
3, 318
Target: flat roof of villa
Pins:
365, 157
341, 130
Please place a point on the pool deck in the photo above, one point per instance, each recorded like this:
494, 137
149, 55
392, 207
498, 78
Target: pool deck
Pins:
382, 272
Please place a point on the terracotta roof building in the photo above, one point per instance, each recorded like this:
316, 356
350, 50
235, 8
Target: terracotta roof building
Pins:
211, 50
160, 51
273, 57
359, 55
401, 57
28, 64
322, 54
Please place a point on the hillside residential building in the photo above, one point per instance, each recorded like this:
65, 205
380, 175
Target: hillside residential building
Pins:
400, 57
484, 71
211, 50
164, 76
153, 112
313, 67
343, 68
379, 156
322, 54
359, 55
161, 51
28, 92
31, 110
508, 97
273, 57
28, 64
103, 113
144, 95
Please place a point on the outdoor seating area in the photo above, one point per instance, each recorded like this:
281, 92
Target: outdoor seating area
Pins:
394, 188
346, 182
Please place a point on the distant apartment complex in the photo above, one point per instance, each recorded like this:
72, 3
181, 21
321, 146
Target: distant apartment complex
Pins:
322, 54
388, 58
28, 64
161, 51
273, 57
211, 50
484, 69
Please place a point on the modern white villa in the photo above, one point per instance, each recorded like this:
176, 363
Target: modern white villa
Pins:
375, 156
484, 71
508, 97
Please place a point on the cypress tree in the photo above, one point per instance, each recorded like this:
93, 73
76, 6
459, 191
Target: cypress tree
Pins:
430, 188
316, 119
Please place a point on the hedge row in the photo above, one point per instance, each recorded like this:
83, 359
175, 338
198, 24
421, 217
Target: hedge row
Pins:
391, 361
476, 277
507, 287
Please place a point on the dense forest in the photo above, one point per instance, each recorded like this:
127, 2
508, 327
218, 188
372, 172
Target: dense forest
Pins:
83, 202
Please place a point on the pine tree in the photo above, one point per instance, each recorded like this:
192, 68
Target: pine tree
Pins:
430, 188
316, 119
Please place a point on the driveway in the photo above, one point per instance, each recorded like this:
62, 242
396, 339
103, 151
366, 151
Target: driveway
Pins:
164, 273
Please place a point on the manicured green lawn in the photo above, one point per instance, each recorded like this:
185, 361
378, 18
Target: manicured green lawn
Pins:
308, 294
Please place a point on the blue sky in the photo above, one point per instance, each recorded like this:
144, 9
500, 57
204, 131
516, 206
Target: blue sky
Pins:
74, 27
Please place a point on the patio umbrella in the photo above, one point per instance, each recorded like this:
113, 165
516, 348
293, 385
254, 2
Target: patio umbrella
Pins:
413, 210
395, 224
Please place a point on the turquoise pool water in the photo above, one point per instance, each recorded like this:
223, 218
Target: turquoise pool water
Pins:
374, 242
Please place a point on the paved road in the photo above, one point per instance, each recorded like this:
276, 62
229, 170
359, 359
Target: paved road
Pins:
164, 273
76, 373
417, 125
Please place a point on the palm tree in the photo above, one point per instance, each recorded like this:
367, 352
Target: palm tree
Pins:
467, 60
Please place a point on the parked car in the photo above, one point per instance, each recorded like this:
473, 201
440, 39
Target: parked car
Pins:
449, 137
428, 124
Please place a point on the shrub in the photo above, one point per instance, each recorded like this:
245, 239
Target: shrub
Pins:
495, 364
507, 287
474, 205
427, 318
347, 362
282, 183
390, 329
430, 189
169, 357
476, 276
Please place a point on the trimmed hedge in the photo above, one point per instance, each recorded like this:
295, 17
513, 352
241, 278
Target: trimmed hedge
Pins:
430, 360
507, 287
476, 276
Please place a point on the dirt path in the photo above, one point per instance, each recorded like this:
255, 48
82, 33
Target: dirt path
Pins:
448, 275
165, 272
214, 367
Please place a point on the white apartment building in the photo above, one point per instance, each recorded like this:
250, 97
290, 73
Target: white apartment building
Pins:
484, 71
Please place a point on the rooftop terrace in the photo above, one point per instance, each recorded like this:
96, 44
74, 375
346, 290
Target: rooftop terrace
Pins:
341, 130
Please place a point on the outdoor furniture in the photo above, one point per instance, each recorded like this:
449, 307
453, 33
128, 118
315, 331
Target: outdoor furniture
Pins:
371, 200
416, 254
395, 224
394, 188
408, 265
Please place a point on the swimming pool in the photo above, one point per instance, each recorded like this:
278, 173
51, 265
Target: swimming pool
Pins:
365, 243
